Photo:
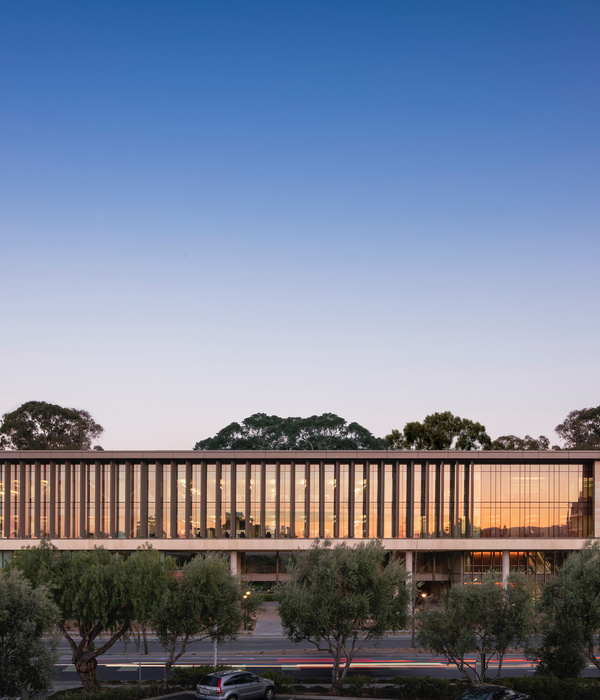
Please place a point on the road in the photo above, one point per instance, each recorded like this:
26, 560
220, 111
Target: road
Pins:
392, 656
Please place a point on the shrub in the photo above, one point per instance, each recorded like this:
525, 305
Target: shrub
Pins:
548, 688
357, 683
428, 688
135, 691
283, 683
189, 676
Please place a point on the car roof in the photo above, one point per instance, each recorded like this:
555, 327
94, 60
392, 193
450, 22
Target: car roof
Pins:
222, 674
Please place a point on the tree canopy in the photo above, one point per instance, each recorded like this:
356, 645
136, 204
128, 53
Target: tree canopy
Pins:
203, 602
440, 431
581, 429
37, 425
96, 591
571, 609
339, 597
481, 620
262, 432
512, 442
27, 654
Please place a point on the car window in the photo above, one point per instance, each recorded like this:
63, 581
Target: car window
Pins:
252, 678
212, 681
235, 680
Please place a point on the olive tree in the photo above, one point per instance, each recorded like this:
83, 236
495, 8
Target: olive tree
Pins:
97, 592
570, 606
203, 602
27, 653
480, 620
340, 597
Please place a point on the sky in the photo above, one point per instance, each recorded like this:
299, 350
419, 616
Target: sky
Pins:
376, 209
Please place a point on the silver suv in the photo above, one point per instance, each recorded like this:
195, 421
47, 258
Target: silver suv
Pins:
234, 685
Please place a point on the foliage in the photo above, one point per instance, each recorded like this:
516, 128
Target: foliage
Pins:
440, 431
427, 688
556, 656
189, 676
476, 619
96, 591
358, 683
570, 604
37, 425
581, 429
204, 602
548, 688
512, 442
154, 566
262, 432
282, 681
340, 597
134, 691
26, 616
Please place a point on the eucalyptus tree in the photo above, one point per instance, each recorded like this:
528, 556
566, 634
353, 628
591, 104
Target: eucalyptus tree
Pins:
203, 602
580, 430
341, 597
28, 649
97, 593
262, 432
440, 431
37, 425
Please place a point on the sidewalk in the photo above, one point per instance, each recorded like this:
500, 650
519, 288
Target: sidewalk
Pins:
268, 623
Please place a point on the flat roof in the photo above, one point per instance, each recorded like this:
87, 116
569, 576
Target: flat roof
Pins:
282, 455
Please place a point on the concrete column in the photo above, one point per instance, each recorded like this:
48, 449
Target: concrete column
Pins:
505, 568
409, 566
234, 563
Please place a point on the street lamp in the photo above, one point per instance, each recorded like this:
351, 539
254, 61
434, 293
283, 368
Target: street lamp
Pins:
246, 605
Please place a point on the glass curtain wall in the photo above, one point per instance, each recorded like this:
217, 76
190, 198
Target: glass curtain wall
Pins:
315, 499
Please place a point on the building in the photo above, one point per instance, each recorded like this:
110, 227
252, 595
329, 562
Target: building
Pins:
450, 515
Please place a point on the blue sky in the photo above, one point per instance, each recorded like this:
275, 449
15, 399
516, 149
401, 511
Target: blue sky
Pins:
379, 209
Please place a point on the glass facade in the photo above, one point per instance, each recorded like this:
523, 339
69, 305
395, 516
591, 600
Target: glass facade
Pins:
316, 498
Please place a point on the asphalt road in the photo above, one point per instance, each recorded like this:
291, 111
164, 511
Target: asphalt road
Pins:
391, 657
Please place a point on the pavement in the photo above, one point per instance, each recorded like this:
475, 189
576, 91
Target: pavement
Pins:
268, 623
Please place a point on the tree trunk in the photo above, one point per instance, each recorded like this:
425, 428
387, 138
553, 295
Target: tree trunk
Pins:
85, 664
336, 682
145, 640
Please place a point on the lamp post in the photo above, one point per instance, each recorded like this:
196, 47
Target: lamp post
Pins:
246, 604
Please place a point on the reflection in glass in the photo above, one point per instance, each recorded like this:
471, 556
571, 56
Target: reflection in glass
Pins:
255, 499
225, 486
284, 504
270, 499
300, 500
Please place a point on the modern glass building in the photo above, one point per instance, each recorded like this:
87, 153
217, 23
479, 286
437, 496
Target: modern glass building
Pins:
451, 515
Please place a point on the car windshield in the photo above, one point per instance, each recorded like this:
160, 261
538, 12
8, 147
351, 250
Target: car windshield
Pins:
475, 694
212, 681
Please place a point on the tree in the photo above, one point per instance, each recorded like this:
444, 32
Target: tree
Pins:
203, 602
262, 432
150, 565
440, 431
570, 605
512, 442
341, 597
581, 429
27, 655
476, 619
95, 590
37, 425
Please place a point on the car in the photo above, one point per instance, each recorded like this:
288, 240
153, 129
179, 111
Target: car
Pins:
491, 692
234, 685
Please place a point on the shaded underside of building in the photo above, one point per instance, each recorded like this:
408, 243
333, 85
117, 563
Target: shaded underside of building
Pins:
450, 515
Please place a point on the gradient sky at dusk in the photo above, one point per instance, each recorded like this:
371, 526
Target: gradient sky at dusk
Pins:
378, 209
